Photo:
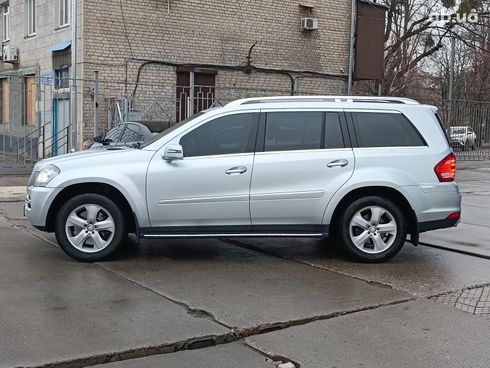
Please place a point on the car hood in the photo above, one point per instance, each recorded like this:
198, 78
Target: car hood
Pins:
86, 155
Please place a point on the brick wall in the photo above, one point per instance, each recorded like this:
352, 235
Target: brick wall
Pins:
118, 32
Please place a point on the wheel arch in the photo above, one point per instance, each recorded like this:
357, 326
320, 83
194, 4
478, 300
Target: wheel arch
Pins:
93, 188
381, 191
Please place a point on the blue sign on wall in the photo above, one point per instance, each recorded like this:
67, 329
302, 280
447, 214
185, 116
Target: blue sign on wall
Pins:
47, 78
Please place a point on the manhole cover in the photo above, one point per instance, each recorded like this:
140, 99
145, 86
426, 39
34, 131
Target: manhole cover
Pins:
475, 301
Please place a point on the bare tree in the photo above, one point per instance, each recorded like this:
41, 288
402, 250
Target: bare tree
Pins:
412, 36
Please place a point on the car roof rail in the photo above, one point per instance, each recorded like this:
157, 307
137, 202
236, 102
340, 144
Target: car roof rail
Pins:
337, 99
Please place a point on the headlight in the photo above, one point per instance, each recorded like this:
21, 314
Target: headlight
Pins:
46, 175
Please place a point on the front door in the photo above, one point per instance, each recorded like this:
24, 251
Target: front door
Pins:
304, 161
210, 186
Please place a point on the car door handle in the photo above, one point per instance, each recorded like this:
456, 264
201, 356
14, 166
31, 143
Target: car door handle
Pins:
236, 170
338, 163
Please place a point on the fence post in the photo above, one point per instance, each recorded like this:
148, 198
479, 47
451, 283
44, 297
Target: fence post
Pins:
191, 92
44, 140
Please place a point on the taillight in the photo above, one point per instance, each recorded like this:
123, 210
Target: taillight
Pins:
454, 216
446, 169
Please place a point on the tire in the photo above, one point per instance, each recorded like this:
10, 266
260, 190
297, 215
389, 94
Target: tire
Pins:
357, 222
91, 239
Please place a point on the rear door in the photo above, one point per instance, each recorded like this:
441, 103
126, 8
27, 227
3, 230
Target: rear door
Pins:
302, 159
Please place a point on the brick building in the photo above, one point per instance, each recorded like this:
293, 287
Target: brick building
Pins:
164, 59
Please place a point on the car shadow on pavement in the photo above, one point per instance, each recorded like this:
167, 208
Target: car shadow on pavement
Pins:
195, 249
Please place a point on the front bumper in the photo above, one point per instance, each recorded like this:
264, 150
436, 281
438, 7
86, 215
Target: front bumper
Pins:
37, 203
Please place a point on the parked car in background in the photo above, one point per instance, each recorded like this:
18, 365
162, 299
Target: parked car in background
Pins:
370, 172
462, 137
123, 134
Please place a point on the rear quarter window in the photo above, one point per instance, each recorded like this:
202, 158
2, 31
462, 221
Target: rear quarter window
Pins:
385, 130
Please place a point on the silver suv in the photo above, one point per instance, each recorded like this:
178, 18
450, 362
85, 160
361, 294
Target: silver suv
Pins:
369, 172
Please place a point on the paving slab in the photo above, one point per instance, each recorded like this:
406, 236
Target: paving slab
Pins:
468, 238
416, 334
55, 309
12, 193
235, 355
420, 271
476, 209
243, 288
13, 180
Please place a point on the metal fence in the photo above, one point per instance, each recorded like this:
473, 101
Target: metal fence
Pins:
35, 116
467, 114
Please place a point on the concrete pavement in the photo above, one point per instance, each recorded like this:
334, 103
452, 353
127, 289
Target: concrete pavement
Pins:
473, 233
240, 303
416, 334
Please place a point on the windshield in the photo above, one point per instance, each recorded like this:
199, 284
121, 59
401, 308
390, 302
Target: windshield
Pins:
170, 130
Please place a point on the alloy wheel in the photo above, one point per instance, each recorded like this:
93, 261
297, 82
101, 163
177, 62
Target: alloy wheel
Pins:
373, 229
90, 228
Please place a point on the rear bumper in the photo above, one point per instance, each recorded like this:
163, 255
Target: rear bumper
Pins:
433, 203
437, 224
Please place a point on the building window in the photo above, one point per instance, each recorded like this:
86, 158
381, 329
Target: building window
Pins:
6, 22
62, 11
5, 94
30, 101
62, 78
31, 21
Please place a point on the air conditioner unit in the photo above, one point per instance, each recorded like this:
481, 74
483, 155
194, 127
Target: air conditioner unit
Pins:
10, 54
309, 24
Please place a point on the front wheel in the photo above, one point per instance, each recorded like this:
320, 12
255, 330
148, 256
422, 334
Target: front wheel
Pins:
90, 227
372, 229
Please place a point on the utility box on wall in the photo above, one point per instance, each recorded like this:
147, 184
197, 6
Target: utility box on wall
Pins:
370, 41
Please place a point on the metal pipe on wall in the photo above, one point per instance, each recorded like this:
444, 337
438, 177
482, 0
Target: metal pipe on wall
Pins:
351, 47
73, 79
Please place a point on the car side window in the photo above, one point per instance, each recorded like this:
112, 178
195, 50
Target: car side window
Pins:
333, 131
222, 136
385, 130
115, 133
132, 133
287, 131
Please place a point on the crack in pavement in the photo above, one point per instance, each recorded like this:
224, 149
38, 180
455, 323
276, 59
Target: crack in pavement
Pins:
200, 342
273, 358
300, 261
460, 251
197, 342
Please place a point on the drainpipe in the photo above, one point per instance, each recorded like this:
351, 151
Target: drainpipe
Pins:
351, 47
73, 79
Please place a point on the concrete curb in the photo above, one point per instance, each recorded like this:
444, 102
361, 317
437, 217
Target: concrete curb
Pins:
12, 194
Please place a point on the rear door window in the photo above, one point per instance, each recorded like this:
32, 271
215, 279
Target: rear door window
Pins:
303, 130
289, 131
333, 131
385, 130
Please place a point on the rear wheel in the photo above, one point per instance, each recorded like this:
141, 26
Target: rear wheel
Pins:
372, 229
90, 227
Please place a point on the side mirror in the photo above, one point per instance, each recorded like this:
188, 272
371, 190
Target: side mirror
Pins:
173, 152
99, 139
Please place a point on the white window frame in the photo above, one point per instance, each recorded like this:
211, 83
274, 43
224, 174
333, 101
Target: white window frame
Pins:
62, 13
5, 22
31, 17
